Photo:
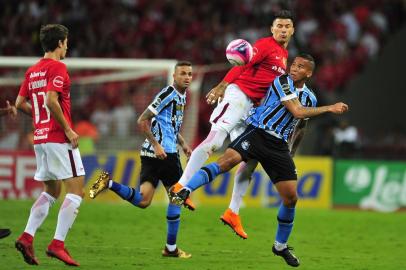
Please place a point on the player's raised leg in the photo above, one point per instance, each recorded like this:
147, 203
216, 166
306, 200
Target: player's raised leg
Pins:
206, 175
242, 179
103, 182
286, 216
227, 114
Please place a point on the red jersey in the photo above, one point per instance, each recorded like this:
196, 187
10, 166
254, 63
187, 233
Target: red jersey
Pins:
47, 74
255, 77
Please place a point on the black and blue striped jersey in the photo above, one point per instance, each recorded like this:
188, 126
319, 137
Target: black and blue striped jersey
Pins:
272, 115
168, 106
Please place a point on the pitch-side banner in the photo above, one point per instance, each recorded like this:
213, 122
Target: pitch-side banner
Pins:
372, 185
314, 185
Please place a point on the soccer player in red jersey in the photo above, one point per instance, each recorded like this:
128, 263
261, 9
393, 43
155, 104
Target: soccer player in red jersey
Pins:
47, 87
242, 88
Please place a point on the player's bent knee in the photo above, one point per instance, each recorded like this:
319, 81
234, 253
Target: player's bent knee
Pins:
144, 204
290, 200
214, 141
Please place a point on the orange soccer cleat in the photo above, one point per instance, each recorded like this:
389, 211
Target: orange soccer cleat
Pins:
233, 220
188, 203
57, 250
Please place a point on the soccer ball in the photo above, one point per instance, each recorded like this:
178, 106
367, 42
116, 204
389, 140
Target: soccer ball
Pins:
239, 52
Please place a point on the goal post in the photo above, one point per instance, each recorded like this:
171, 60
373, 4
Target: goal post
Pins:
98, 64
117, 81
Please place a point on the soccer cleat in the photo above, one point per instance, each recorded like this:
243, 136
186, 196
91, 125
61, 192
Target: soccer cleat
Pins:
57, 250
101, 184
179, 198
287, 255
233, 220
24, 245
177, 253
4, 233
188, 203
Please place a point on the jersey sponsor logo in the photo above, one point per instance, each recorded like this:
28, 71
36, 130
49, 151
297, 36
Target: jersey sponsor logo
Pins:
37, 84
278, 69
58, 81
245, 145
37, 74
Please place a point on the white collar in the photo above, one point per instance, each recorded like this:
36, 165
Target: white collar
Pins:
301, 89
182, 95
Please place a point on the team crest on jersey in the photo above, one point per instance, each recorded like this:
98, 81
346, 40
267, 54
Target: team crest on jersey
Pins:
58, 81
156, 102
245, 145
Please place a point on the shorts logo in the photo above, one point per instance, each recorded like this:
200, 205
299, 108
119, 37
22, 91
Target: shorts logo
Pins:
245, 145
58, 81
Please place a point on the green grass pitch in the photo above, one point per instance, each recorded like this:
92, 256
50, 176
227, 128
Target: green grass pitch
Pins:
119, 236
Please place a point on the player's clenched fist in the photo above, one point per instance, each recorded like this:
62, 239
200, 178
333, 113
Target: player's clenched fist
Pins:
339, 108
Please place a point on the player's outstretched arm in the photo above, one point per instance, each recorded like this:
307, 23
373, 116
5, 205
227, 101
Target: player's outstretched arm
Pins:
144, 125
300, 112
23, 105
54, 107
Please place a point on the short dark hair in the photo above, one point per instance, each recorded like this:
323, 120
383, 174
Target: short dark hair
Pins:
309, 58
51, 34
183, 63
283, 14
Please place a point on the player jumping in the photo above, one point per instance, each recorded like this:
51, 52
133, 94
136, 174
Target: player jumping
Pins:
265, 140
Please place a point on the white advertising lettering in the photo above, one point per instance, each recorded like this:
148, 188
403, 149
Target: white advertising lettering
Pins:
388, 190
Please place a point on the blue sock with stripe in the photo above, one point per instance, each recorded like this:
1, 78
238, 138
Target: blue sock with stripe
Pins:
203, 176
286, 216
173, 221
131, 195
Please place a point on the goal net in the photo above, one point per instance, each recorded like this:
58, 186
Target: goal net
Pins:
107, 97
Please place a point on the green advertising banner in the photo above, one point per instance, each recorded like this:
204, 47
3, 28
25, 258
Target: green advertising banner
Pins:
374, 185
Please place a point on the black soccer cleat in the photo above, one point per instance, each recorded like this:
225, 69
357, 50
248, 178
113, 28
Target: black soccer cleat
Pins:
287, 255
4, 233
179, 197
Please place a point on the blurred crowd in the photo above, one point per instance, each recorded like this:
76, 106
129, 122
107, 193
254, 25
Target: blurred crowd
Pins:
342, 35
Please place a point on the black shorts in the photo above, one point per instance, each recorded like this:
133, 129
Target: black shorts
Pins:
270, 151
168, 170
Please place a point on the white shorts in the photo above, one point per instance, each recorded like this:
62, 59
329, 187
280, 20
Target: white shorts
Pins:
57, 161
231, 112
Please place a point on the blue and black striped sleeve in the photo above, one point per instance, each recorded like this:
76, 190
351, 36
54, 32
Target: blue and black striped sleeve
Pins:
284, 87
161, 100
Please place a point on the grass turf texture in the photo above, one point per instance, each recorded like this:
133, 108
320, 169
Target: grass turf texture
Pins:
120, 236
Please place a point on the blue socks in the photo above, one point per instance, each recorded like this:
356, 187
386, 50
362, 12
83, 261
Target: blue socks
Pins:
173, 221
203, 176
286, 216
129, 194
